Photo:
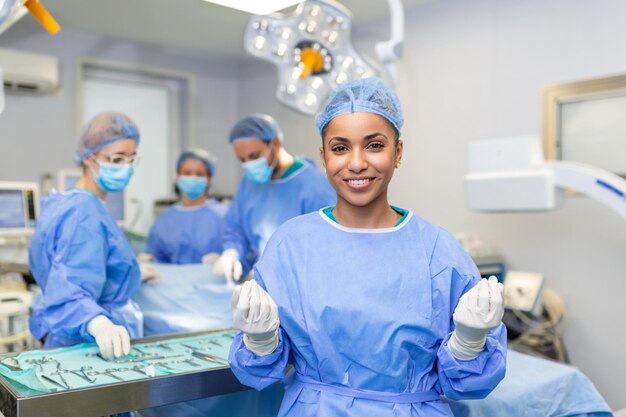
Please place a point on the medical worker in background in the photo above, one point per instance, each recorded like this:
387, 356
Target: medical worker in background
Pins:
80, 257
193, 229
276, 187
379, 311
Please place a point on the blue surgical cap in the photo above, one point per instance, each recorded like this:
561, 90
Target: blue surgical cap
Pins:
368, 95
104, 129
256, 126
209, 161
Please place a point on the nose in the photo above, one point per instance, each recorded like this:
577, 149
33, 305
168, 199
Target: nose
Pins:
357, 162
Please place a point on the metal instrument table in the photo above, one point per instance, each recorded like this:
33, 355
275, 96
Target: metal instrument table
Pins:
16, 400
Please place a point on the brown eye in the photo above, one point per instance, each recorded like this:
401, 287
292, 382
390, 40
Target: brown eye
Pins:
375, 146
117, 159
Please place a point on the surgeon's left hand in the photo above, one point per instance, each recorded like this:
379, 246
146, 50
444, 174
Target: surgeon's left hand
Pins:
149, 273
479, 310
255, 313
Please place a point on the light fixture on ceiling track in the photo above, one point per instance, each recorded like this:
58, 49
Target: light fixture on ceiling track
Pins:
312, 50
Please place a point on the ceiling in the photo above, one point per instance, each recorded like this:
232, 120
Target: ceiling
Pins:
187, 24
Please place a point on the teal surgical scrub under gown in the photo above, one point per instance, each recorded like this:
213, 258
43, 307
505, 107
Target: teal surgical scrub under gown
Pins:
85, 267
183, 235
365, 318
257, 210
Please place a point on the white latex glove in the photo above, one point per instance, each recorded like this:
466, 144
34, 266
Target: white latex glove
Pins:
229, 265
210, 258
256, 314
479, 310
112, 340
145, 257
149, 273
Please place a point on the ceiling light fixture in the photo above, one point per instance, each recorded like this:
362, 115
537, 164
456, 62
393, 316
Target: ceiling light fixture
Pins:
312, 50
256, 6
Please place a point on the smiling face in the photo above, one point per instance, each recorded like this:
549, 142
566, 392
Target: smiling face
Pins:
360, 153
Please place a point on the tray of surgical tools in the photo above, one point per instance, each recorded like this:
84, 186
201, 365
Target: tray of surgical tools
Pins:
79, 381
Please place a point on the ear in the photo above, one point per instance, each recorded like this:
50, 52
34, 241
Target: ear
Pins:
89, 165
276, 144
399, 150
322, 157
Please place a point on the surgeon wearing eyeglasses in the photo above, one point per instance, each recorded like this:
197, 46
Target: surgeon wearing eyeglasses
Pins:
80, 257
276, 187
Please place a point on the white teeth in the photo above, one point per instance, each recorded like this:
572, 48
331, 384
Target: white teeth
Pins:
359, 182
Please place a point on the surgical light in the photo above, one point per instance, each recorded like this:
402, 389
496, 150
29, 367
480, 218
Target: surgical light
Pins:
312, 50
255, 6
13, 10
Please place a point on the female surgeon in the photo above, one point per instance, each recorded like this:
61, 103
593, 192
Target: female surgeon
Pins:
79, 256
189, 231
276, 187
380, 311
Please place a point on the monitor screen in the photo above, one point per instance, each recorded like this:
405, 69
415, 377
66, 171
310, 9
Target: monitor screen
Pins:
12, 209
18, 208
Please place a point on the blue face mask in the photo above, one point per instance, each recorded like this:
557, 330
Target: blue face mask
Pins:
113, 177
258, 171
193, 187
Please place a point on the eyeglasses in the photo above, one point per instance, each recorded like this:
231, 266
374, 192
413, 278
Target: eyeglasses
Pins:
121, 159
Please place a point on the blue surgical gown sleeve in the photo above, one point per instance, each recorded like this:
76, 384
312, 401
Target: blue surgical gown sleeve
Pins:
465, 379
155, 244
77, 275
255, 371
234, 235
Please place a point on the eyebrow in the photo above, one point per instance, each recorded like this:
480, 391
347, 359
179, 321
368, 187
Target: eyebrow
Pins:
366, 138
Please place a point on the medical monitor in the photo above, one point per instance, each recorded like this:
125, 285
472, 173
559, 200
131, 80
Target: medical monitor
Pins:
67, 179
19, 207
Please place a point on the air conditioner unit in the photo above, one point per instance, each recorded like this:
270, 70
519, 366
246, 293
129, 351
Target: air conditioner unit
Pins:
29, 72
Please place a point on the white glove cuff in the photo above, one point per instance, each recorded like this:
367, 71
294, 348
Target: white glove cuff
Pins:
261, 347
465, 350
98, 323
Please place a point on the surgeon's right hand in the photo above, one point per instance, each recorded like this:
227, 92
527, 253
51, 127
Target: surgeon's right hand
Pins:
255, 313
113, 340
229, 265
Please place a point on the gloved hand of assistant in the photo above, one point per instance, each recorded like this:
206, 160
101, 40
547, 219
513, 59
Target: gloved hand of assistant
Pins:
210, 258
229, 265
145, 257
113, 340
149, 273
479, 310
256, 314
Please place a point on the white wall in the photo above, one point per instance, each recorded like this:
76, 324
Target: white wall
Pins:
472, 70
38, 132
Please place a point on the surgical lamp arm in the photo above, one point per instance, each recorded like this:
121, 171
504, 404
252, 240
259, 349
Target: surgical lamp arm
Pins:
390, 51
601, 185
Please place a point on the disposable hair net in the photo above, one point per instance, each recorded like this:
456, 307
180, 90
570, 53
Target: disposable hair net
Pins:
104, 129
209, 161
256, 126
368, 95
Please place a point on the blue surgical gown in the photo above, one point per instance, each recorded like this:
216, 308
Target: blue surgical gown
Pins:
183, 235
85, 267
257, 210
367, 313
